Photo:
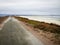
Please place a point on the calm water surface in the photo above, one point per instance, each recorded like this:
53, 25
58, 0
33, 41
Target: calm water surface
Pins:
50, 19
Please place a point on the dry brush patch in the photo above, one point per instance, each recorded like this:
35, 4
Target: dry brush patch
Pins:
50, 30
3, 18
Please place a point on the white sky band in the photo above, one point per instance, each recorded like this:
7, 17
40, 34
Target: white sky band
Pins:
38, 7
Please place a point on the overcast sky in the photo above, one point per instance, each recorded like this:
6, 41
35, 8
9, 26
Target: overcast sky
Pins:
30, 7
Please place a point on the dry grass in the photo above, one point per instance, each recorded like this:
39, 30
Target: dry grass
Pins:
50, 30
49, 27
3, 18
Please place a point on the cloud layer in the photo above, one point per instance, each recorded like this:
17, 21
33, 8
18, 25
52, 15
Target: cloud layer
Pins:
33, 7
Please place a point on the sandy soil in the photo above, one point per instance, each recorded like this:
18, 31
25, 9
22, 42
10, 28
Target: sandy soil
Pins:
3, 21
39, 34
1, 25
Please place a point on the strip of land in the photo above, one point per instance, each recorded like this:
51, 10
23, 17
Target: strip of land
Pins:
2, 19
14, 33
48, 32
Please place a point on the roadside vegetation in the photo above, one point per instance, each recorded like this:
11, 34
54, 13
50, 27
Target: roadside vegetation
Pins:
53, 29
3, 18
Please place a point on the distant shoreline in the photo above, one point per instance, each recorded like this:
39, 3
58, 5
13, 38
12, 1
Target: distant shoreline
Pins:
46, 20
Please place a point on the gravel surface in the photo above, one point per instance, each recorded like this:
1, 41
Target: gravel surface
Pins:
14, 33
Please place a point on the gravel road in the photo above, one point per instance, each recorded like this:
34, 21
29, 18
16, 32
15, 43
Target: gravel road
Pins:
14, 33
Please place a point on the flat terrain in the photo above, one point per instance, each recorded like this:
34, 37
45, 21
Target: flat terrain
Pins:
49, 33
14, 33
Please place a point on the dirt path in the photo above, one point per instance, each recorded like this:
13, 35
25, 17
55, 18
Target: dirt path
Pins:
38, 35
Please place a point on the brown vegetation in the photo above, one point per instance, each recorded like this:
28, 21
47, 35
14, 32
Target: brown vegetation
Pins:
53, 29
3, 18
50, 27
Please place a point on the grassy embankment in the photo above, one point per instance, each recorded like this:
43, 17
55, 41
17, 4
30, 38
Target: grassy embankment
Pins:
53, 29
2, 19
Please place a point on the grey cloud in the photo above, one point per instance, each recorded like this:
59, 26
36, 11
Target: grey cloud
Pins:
30, 6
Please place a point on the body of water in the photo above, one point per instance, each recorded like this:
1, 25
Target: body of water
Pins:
49, 19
